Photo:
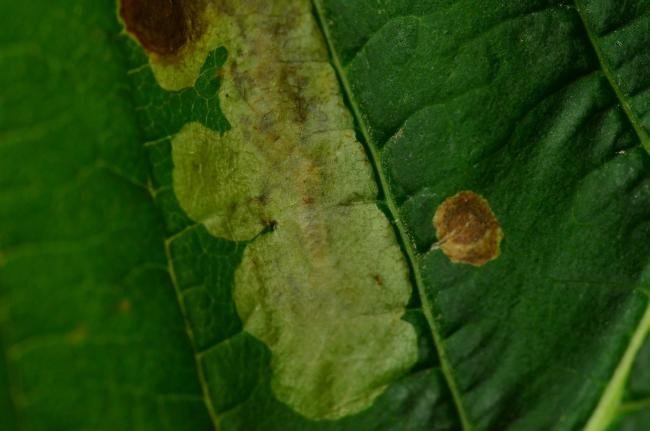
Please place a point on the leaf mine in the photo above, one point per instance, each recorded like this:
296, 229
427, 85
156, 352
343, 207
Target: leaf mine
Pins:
467, 229
323, 282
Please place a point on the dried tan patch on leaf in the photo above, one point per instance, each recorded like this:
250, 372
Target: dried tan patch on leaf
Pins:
467, 229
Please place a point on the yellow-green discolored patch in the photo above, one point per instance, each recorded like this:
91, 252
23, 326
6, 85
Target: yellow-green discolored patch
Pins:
323, 282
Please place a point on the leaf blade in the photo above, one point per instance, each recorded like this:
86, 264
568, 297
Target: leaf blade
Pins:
85, 319
409, 39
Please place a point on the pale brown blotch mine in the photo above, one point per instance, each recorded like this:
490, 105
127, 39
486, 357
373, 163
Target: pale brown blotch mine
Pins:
322, 282
467, 229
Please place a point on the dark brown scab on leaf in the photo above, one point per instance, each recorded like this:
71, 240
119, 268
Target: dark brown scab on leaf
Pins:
467, 229
162, 27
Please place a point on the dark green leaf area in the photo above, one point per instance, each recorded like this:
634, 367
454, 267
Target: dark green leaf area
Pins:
639, 383
512, 101
163, 113
8, 417
633, 421
204, 274
91, 333
622, 32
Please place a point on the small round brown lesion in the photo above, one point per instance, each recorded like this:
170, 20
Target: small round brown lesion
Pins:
467, 229
162, 27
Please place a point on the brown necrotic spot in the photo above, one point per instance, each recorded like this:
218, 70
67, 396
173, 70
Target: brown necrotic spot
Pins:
162, 27
467, 229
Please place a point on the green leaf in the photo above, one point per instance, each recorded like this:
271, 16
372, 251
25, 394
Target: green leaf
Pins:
192, 237
543, 109
92, 336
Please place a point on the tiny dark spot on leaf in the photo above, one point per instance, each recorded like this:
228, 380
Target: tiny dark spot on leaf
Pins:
270, 225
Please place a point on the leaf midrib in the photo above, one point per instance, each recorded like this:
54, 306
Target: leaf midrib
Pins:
402, 232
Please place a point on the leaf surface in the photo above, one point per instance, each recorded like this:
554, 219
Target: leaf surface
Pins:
450, 98
92, 336
118, 305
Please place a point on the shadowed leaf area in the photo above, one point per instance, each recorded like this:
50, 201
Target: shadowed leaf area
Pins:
516, 131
